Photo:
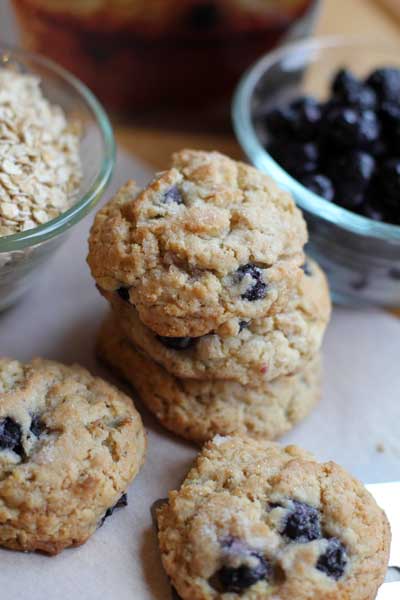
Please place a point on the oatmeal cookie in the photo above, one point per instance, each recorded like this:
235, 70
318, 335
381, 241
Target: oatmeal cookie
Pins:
263, 348
197, 410
255, 520
209, 240
70, 445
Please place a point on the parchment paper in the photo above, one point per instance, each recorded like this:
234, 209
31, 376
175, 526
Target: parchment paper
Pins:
360, 411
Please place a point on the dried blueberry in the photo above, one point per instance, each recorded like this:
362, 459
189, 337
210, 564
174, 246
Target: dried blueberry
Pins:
238, 578
279, 122
243, 325
177, 343
123, 501
37, 426
173, 196
296, 158
353, 174
203, 16
298, 120
319, 184
302, 523
349, 90
257, 289
307, 269
348, 128
389, 181
386, 83
123, 293
333, 562
10, 436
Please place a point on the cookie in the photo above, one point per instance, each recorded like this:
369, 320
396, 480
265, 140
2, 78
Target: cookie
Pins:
197, 410
70, 445
264, 348
207, 241
255, 520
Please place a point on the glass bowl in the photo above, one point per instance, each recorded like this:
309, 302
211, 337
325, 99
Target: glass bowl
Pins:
22, 255
360, 256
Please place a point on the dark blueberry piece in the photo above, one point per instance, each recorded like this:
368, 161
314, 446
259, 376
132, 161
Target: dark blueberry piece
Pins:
319, 184
257, 290
307, 269
123, 293
349, 90
353, 174
333, 562
10, 436
389, 182
390, 117
177, 343
204, 16
123, 501
243, 325
302, 523
279, 122
349, 128
37, 426
173, 196
237, 579
307, 114
386, 83
395, 274
298, 120
296, 158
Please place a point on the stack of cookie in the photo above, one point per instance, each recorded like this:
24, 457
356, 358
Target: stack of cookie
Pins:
217, 317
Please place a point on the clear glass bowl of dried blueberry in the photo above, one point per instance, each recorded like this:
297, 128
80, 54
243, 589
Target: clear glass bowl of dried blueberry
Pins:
322, 117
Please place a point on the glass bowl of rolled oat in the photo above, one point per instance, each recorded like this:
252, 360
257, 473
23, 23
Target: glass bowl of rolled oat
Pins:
56, 158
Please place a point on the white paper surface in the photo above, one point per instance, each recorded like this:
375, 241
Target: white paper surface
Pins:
59, 319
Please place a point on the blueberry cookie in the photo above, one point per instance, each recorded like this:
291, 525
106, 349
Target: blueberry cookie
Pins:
70, 445
207, 241
263, 348
255, 520
197, 410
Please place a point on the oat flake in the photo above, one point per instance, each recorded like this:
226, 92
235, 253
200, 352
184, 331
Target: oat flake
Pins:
40, 168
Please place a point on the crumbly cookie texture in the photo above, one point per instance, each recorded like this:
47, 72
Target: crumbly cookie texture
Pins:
197, 410
263, 348
40, 167
209, 240
254, 520
70, 444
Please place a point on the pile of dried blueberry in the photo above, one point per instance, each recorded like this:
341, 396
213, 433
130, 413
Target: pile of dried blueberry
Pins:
346, 149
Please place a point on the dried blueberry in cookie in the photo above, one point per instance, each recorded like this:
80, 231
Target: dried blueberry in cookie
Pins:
37, 426
123, 293
242, 567
334, 560
307, 268
10, 436
220, 534
302, 523
172, 196
176, 343
256, 288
